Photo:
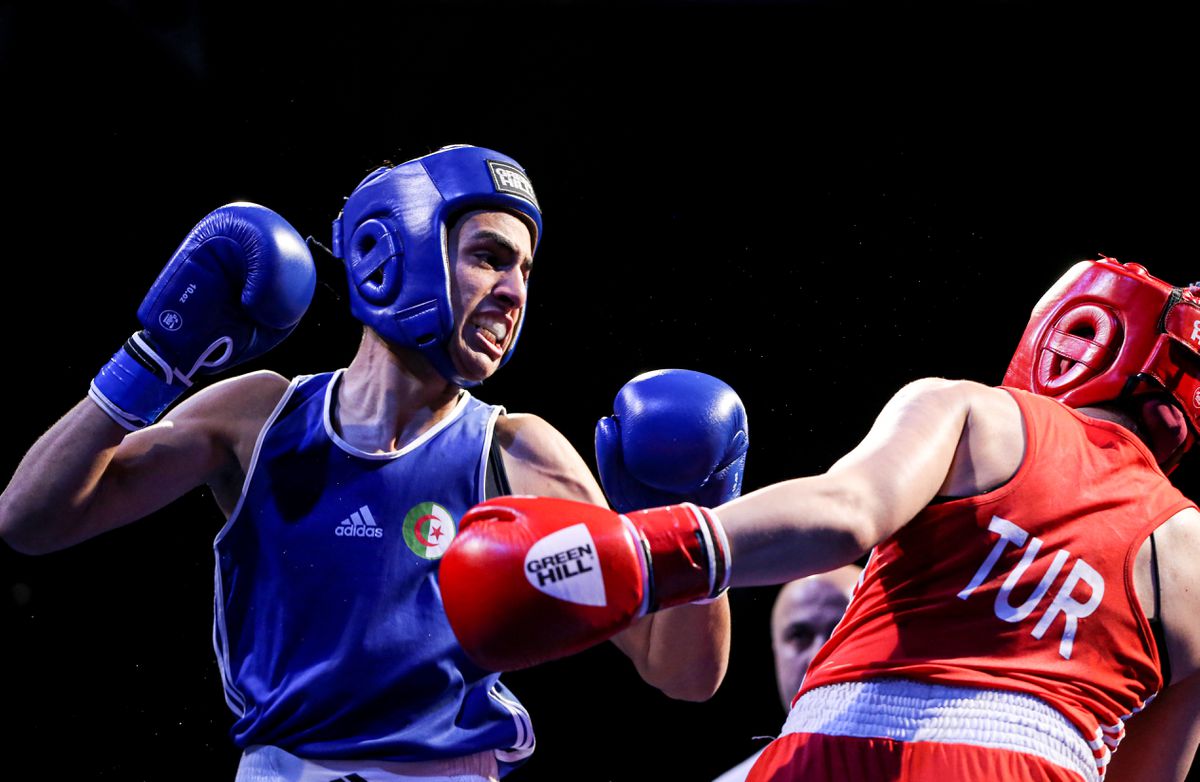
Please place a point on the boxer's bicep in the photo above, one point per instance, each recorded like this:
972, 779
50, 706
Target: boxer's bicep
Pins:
934, 438
814, 524
208, 439
909, 453
540, 461
86, 475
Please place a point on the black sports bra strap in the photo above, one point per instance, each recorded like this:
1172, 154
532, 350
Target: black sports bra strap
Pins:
496, 481
1156, 623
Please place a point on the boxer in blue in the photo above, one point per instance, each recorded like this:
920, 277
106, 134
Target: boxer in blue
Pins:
342, 490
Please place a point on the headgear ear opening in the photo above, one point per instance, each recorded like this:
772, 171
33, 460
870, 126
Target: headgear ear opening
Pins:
1082, 343
374, 261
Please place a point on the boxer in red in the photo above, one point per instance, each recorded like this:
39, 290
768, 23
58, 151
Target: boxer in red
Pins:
1030, 592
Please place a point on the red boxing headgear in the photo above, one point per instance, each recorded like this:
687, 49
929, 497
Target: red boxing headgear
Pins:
1109, 330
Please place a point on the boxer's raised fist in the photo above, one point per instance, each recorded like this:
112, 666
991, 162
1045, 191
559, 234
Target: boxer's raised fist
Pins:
675, 436
237, 285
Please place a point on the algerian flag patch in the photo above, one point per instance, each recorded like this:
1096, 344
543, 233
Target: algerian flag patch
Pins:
428, 530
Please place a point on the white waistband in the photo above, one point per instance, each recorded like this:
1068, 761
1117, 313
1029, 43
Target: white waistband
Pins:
272, 764
905, 710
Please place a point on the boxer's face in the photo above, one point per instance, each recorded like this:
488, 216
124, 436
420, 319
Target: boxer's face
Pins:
804, 616
491, 254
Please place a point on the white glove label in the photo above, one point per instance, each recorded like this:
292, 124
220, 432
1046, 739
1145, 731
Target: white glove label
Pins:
564, 565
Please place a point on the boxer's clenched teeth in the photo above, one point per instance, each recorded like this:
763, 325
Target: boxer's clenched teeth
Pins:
494, 331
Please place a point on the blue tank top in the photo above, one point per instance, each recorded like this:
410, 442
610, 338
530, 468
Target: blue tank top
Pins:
329, 626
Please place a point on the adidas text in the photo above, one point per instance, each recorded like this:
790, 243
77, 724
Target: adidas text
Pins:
361, 524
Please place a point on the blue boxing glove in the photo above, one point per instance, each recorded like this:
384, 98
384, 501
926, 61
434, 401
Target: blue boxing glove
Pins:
675, 436
237, 286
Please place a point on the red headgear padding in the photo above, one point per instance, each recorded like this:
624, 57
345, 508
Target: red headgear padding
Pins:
1108, 330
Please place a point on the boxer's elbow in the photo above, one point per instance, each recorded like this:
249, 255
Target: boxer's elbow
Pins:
17, 534
692, 690
702, 677
683, 652
705, 683
31, 544
26, 530
697, 683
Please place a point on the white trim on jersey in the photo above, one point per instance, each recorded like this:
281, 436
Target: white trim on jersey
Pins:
220, 634
1110, 736
487, 451
526, 742
327, 420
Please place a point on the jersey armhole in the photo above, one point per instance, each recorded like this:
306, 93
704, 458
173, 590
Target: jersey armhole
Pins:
1153, 631
496, 479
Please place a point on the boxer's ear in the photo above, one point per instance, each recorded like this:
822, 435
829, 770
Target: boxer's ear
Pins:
1165, 429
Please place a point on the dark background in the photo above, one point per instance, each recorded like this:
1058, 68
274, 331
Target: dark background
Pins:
816, 202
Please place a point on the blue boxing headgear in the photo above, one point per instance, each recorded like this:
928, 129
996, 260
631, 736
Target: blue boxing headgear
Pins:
393, 235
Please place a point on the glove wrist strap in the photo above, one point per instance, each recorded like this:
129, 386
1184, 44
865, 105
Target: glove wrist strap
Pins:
136, 385
687, 554
719, 561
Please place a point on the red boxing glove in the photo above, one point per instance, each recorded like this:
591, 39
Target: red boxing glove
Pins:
531, 579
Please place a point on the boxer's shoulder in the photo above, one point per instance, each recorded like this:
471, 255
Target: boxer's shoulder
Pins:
985, 422
982, 406
540, 460
944, 387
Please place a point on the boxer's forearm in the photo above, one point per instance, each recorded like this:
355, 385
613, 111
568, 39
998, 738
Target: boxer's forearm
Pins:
795, 529
683, 651
57, 479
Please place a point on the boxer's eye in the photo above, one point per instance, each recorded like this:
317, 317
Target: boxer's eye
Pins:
799, 635
486, 258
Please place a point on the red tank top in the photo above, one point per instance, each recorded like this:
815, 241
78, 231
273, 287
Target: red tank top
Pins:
1028, 587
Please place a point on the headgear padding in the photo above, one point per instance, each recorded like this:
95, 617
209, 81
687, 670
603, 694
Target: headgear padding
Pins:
1108, 330
393, 236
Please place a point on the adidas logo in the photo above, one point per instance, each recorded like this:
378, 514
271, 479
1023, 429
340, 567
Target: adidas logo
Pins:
349, 778
361, 524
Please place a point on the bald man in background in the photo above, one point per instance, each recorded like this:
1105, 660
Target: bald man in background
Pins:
805, 613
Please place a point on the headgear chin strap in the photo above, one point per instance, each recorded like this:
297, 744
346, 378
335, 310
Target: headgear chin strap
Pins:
1108, 331
393, 236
